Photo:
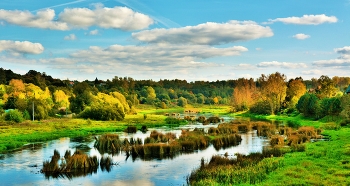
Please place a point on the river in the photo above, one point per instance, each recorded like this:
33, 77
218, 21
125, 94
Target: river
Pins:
23, 167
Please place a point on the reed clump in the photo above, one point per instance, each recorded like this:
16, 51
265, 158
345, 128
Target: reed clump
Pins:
244, 169
201, 119
160, 137
158, 150
212, 119
276, 140
131, 129
78, 163
226, 141
108, 143
193, 140
264, 129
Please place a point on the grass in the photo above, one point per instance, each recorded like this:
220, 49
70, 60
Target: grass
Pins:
16, 135
317, 163
322, 163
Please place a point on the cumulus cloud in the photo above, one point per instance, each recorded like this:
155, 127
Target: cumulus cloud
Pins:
244, 66
118, 18
164, 59
307, 20
311, 72
301, 36
20, 47
42, 19
206, 34
344, 50
121, 18
93, 32
341, 61
286, 65
70, 37
156, 55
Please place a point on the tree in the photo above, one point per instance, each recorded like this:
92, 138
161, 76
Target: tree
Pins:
16, 87
273, 89
295, 89
216, 100
327, 87
345, 106
331, 106
60, 99
182, 102
243, 96
309, 105
2, 76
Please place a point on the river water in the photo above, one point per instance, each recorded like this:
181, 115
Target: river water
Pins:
23, 167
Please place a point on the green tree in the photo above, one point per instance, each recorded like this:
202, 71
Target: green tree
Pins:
182, 102
14, 115
309, 105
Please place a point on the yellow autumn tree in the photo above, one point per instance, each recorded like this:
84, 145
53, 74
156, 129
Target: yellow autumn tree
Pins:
244, 94
60, 99
296, 88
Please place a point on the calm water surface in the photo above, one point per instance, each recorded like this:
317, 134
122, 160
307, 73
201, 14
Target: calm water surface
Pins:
23, 167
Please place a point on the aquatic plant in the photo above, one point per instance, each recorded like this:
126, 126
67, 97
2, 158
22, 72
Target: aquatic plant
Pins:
248, 169
226, 141
108, 143
78, 162
131, 129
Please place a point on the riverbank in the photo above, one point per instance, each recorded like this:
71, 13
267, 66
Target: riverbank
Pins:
16, 135
325, 162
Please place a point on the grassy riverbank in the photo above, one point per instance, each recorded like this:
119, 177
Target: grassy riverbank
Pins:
322, 162
15, 135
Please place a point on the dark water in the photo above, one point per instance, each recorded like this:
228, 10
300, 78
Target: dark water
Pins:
23, 167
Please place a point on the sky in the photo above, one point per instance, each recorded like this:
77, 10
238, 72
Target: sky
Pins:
175, 39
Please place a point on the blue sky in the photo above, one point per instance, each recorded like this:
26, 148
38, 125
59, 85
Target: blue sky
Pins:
192, 40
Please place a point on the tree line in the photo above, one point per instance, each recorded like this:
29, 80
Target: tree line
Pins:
112, 99
273, 94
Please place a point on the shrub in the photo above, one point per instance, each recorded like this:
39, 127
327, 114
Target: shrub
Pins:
14, 115
261, 107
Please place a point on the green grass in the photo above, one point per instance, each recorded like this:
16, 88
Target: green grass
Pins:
323, 163
13, 135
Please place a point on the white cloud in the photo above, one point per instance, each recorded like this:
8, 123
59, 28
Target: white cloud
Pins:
244, 66
286, 65
70, 37
118, 17
21, 47
154, 55
258, 49
307, 20
121, 18
332, 62
43, 19
344, 50
153, 60
93, 32
301, 36
206, 34
343, 60
311, 72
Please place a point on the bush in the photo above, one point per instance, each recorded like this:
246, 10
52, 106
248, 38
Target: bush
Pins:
261, 107
104, 113
14, 115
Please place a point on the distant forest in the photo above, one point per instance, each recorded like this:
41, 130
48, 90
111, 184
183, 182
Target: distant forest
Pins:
112, 99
